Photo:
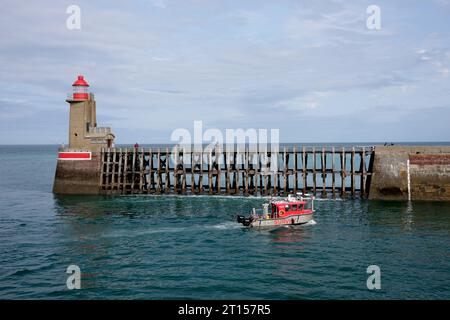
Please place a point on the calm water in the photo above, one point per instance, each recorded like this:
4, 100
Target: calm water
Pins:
189, 247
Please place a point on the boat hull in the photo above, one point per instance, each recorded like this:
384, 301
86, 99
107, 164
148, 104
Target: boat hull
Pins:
288, 221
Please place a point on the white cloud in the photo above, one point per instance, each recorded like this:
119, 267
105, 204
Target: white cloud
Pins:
155, 70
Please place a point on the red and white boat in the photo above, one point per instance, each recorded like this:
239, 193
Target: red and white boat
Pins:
293, 210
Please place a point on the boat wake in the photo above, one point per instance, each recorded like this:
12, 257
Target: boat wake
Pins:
310, 223
226, 225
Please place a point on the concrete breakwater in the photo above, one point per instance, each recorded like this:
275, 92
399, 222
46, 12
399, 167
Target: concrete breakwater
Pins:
416, 173
384, 173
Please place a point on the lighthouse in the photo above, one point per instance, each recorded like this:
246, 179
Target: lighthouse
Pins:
84, 134
79, 165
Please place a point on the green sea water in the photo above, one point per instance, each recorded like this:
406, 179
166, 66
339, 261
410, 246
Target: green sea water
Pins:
167, 247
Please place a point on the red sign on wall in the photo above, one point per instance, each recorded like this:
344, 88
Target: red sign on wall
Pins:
75, 155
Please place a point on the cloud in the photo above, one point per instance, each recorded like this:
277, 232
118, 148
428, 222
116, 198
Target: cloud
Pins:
155, 66
303, 103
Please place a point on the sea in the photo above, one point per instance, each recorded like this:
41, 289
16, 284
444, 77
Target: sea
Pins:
190, 247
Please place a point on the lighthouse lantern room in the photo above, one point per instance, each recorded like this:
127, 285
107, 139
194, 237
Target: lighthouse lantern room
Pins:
80, 89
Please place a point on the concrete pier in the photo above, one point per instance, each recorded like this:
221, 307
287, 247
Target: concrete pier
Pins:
429, 173
78, 176
381, 173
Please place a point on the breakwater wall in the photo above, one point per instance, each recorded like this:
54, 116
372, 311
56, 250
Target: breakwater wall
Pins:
416, 173
327, 172
383, 173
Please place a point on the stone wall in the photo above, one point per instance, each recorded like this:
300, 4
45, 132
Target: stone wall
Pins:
78, 176
429, 169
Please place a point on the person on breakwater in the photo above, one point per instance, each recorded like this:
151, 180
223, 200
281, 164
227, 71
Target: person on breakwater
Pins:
136, 145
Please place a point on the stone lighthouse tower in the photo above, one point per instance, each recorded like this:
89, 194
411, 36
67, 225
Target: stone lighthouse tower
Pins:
79, 166
83, 131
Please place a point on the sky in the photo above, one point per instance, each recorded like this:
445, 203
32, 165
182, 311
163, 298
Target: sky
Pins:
312, 69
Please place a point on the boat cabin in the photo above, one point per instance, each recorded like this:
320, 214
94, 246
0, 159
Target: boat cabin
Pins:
284, 209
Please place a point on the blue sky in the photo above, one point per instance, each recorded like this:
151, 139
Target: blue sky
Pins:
310, 68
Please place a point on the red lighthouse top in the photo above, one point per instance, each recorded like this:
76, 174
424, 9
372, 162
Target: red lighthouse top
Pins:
80, 82
80, 89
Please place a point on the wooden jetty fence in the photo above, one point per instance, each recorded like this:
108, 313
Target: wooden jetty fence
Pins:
328, 172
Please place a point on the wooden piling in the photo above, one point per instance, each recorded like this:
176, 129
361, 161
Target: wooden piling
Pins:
295, 170
167, 176
333, 177
304, 159
343, 186
101, 182
363, 173
314, 170
126, 171
324, 174
150, 171
353, 172
119, 170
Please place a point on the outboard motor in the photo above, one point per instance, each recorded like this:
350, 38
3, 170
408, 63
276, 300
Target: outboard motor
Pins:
247, 221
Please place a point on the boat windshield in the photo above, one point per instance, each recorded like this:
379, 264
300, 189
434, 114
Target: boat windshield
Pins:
308, 205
